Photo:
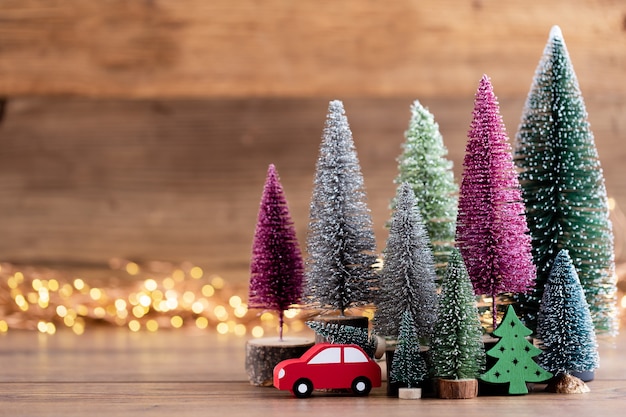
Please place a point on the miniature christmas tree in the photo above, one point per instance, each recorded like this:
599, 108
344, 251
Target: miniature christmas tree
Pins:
563, 184
408, 366
423, 164
277, 270
491, 229
407, 280
515, 354
344, 334
340, 243
457, 348
564, 325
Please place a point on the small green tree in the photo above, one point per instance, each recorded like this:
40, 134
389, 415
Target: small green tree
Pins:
424, 166
342, 334
408, 366
457, 349
515, 354
563, 188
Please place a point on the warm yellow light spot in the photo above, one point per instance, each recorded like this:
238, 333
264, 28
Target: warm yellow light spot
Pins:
99, 312
240, 330
169, 283
19, 277
152, 325
178, 275
234, 301
611, 203
122, 314
78, 328
79, 284
208, 290
189, 297
134, 325
257, 331
53, 285
41, 326
82, 310
369, 313
240, 311
623, 302
21, 302
32, 297
291, 313
66, 291
267, 316
61, 311
120, 304
44, 294
69, 320
12, 283
162, 306
4, 327
217, 282
42, 303
95, 294
132, 268
51, 328
285, 329
36, 284
177, 322
222, 328
220, 312
197, 307
202, 323
157, 295
150, 285
144, 300
297, 326
139, 311
111, 310
196, 272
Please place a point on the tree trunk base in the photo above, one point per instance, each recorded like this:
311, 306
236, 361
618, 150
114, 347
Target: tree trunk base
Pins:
457, 388
409, 393
262, 355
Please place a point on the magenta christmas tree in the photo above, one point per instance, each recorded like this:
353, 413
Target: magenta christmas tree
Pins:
491, 233
277, 269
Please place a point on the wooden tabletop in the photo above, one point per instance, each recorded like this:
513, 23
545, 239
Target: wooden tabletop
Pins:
114, 372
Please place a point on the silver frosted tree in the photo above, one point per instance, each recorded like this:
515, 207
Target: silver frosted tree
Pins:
407, 280
340, 243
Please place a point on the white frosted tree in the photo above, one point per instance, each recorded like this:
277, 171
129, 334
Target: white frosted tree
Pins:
407, 280
340, 243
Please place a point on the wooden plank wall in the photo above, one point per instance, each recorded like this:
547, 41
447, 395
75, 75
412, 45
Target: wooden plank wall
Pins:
143, 129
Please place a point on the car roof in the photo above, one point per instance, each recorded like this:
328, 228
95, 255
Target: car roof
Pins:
321, 346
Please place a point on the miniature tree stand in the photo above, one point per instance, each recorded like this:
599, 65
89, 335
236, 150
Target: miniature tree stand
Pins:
263, 354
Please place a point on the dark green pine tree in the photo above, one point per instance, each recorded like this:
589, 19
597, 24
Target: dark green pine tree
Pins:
341, 246
343, 334
564, 326
457, 349
563, 187
424, 166
515, 354
408, 366
407, 280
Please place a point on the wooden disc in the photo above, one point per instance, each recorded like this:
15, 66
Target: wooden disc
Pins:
263, 354
457, 388
410, 393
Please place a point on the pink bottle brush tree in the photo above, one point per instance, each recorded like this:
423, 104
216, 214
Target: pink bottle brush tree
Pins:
277, 268
491, 233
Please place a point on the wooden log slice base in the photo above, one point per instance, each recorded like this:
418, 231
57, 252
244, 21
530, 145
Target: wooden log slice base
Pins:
457, 388
409, 393
263, 354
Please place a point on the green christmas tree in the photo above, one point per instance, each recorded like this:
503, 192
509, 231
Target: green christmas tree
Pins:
563, 187
515, 354
457, 349
568, 341
424, 166
408, 366
342, 334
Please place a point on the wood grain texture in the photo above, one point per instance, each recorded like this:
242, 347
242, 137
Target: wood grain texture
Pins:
83, 181
198, 48
190, 373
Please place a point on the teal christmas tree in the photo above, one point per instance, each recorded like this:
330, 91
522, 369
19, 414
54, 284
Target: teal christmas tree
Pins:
344, 334
424, 166
457, 349
563, 187
515, 355
340, 244
564, 326
407, 280
408, 366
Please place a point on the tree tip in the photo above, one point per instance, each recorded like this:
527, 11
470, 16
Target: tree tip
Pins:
555, 32
335, 105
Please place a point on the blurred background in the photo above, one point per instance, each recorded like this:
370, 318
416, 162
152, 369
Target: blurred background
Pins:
139, 132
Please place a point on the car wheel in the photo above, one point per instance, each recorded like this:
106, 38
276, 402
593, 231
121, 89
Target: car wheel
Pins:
302, 388
361, 386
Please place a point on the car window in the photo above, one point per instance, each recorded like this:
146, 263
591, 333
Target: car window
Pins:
353, 355
328, 355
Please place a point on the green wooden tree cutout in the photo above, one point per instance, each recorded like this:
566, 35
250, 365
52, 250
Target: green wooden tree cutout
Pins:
515, 356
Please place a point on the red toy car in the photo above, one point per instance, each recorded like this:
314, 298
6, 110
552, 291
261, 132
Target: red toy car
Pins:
328, 366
